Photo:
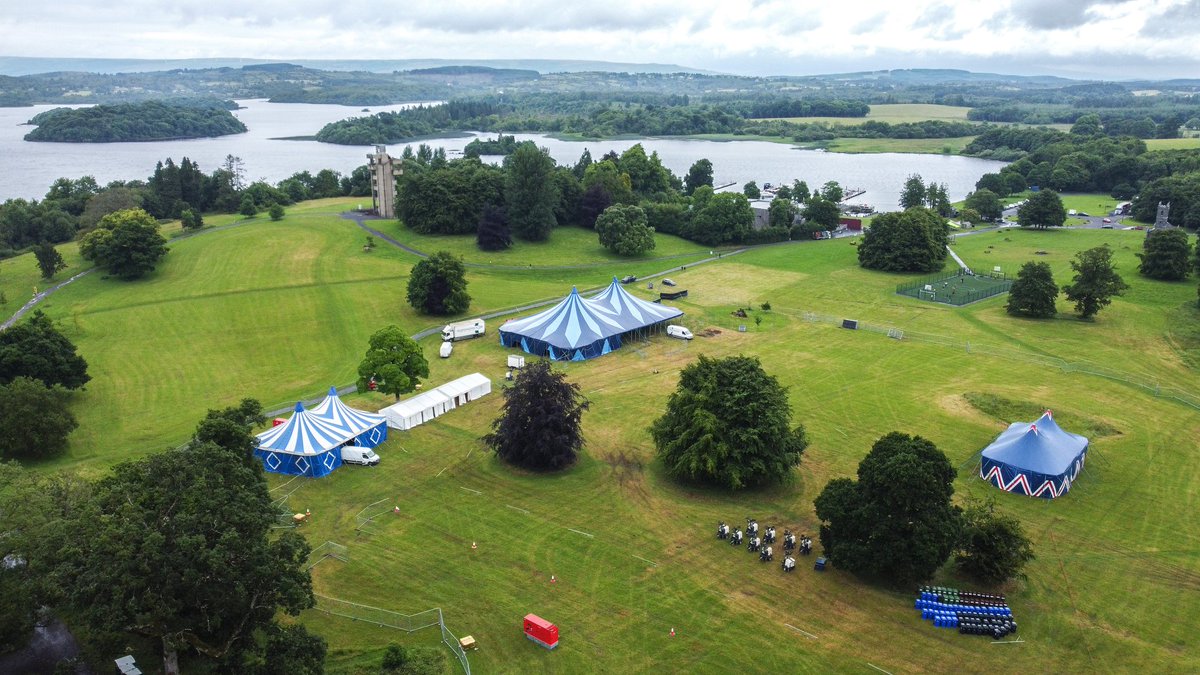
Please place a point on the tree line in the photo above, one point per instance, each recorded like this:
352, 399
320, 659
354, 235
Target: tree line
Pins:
625, 198
145, 121
73, 207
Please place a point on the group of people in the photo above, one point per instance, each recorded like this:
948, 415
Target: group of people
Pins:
762, 544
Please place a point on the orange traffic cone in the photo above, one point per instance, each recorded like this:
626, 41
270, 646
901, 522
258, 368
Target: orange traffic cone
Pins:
672, 631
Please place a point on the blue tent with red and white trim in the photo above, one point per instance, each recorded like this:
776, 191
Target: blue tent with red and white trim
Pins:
1037, 460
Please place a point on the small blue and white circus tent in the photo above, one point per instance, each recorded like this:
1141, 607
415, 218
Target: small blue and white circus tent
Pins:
572, 330
369, 429
633, 313
1038, 459
305, 445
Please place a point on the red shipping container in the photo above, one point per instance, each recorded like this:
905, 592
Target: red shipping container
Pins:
541, 631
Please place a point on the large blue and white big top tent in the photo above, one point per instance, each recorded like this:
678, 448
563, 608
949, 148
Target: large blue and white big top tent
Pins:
305, 445
369, 429
1038, 459
577, 328
632, 312
572, 330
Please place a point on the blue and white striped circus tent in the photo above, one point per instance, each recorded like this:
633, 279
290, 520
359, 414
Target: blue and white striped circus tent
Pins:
305, 445
1038, 459
577, 328
369, 429
632, 312
572, 330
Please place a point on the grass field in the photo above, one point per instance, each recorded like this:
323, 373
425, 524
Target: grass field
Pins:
1173, 143
895, 113
281, 310
947, 146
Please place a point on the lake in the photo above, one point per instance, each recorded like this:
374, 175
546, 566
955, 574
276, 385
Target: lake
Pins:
28, 169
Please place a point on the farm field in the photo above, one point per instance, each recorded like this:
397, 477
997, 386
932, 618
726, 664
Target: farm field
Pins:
279, 311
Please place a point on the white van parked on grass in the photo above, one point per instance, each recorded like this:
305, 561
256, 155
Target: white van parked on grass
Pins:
679, 332
353, 454
446, 349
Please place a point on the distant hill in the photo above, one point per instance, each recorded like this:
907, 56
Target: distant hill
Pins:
919, 76
29, 65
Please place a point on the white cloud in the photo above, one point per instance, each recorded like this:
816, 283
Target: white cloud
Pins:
1087, 37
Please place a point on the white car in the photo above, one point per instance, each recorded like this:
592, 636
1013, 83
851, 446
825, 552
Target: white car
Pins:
668, 282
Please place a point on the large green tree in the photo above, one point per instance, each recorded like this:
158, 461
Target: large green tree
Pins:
230, 428
1165, 255
896, 522
701, 173
726, 217
438, 285
126, 244
623, 230
493, 233
1034, 292
178, 548
913, 192
539, 426
820, 213
394, 362
37, 349
994, 547
530, 192
49, 260
909, 241
34, 420
1043, 209
782, 212
1096, 281
986, 203
728, 422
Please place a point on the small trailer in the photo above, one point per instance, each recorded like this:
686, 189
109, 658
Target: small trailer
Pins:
516, 361
541, 631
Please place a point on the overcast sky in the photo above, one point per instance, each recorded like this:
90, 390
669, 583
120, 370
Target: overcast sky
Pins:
1110, 39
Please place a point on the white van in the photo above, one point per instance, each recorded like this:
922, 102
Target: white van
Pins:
353, 454
679, 332
446, 350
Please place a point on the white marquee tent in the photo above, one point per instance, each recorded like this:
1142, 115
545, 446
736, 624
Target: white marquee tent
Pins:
430, 404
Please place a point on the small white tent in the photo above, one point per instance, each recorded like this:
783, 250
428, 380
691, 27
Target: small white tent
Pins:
427, 405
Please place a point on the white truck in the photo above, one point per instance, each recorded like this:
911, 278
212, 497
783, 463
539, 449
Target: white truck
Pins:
356, 454
463, 330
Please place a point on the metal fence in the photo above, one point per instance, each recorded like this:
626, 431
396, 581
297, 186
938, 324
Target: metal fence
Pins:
408, 623
1188, 398
955, 288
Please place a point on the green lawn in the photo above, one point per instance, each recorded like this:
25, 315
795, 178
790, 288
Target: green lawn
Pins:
281, 310
19, 275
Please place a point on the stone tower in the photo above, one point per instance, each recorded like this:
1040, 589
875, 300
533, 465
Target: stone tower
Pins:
1160, 219
384, 170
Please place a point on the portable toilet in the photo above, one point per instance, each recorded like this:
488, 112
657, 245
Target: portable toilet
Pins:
541, 631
